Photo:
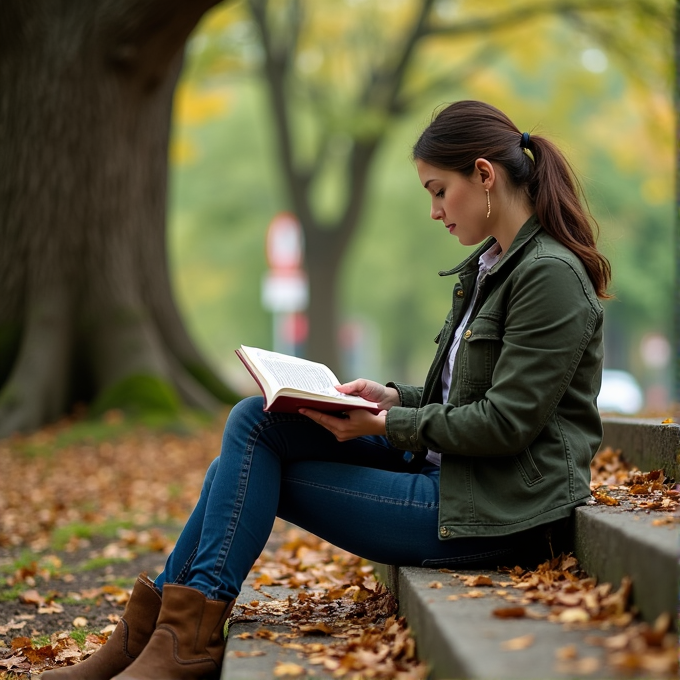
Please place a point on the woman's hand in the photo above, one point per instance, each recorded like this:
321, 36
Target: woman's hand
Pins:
356, 423
384, 397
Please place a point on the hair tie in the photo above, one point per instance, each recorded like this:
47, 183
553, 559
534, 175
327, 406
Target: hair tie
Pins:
524, 144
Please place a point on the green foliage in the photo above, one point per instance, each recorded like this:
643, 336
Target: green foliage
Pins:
139, 394
616, 129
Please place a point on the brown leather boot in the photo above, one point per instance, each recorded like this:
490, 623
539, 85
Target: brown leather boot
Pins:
126, 642
188, 641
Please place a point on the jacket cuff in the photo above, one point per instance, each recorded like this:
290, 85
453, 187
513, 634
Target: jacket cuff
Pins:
401, 430
408, 395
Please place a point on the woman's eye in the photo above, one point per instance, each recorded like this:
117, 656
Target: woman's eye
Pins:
440, 193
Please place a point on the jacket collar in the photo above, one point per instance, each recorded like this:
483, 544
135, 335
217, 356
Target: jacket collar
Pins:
526, 232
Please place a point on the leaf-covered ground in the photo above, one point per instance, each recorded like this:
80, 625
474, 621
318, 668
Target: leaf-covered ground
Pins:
83, 511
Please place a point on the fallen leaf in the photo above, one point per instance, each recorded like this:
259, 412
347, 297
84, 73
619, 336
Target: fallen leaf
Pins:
239, 654
518, 643
566, 653
509, 612
288, 669
479, 580
435, 584
573, 615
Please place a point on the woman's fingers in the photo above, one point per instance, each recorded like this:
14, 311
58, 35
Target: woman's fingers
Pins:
356, 424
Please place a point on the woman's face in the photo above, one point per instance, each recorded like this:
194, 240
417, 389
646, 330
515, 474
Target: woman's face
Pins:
458, 201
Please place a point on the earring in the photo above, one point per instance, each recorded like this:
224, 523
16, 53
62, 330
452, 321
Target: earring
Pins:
488, 204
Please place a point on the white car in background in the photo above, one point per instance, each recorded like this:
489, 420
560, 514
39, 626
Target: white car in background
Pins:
620, 393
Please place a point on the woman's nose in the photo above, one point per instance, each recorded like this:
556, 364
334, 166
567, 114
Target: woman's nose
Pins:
435, 212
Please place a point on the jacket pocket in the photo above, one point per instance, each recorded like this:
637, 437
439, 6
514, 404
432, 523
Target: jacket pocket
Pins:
481, 348
527, 468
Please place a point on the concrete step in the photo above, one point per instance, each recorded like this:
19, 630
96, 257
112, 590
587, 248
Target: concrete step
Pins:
646, 443
611, 543
463, 639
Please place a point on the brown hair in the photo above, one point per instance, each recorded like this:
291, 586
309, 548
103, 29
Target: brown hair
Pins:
467, 130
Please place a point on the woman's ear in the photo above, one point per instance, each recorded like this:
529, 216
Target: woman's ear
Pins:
486, 172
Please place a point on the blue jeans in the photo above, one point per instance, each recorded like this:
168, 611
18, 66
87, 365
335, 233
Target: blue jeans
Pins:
359, 495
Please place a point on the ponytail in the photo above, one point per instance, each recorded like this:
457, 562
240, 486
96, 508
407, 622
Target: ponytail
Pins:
554, 190
467, 130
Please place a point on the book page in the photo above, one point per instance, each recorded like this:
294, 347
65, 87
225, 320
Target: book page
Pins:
287, 371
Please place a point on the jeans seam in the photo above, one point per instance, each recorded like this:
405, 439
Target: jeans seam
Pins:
468, 558
244, 477
181, 577
367, 496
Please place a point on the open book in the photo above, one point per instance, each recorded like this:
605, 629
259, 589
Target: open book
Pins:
289, 383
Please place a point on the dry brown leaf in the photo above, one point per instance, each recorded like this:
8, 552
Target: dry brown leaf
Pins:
573, 615
240, 654
566, 653
435, 584
288, 670
518, 643
510, 612
31, 597
478, 580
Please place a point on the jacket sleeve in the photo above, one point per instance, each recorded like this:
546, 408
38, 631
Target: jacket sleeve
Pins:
550, 320
408, 394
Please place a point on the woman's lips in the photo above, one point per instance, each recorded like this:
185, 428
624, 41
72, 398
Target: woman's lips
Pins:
451, 227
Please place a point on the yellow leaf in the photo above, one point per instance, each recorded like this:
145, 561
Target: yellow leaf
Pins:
518, 643
288, 669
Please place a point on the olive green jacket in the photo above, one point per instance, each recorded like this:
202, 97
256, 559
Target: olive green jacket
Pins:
521, 424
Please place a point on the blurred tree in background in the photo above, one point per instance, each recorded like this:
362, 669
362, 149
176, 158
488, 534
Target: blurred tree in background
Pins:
324, 100
86, 309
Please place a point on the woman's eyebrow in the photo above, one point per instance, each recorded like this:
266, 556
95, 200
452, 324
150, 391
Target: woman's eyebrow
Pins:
428, 181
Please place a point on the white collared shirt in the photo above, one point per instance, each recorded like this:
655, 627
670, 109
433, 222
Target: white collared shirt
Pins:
486, 261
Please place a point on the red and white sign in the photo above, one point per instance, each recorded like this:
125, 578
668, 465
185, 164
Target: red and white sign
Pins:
285, 291
285, 288
285, 243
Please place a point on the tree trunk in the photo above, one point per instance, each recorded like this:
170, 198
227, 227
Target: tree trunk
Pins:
676, 381
86, 310
323, 268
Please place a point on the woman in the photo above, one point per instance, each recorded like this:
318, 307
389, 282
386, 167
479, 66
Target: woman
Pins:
476, 468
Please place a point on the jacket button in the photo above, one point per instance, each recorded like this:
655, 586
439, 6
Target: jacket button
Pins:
467, 334
444, 531
460, 293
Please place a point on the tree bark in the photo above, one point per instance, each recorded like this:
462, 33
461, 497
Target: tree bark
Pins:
676, 375
85, 105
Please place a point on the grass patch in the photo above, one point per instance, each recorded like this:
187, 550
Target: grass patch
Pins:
33, 565
41, 641
123, 581
62, 535
100, 563
11, 593
80, 635
113, 425
80, 601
